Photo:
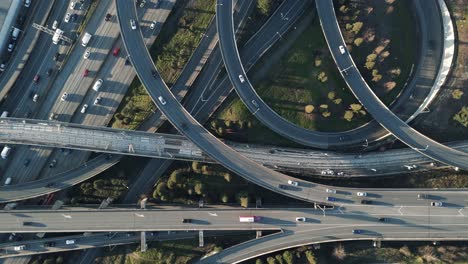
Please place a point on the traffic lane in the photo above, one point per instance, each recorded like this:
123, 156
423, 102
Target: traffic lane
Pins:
213, 218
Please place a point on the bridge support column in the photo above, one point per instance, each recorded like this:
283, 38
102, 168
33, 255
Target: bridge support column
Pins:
201, 242
143, 244
259, 234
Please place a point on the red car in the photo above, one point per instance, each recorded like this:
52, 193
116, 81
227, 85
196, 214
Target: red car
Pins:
36, 78
116, 51
85, 73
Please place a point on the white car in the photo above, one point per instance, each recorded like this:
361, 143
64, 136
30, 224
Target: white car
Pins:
293, 183
331, 191
64, 97
72, 5
241, 78
83, 110
97, 100
97, 85
55, 25
133, 24
67, 17
2, 67
153, 25
437, 204
161, 99
361, 194
27, 3
86, 54
342, 49
35, 98
300, 219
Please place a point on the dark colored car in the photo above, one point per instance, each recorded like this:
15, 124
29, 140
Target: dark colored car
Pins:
366, 201
383, 219
282, 186
108, 17
51, 184
73, 17
28, 223
49, 244
26, 162
85, 73
36, 78
53, 163
116, 51
186, 220
56, 56
331, 199
357, 231
127, 61
49, 72
154, 73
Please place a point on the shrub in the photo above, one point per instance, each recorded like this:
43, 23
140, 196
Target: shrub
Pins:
457, 94
358, 42
310, 257
348, 115
357, 27
339, 252
462, 116
309, 109
271, 260
322, 77
264, 6
288, 257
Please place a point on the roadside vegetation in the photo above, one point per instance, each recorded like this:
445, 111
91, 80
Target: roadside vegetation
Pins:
187, 183
111, 183
173, 47
304, 85
361, 252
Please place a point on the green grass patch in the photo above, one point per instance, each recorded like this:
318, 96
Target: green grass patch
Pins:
292, 83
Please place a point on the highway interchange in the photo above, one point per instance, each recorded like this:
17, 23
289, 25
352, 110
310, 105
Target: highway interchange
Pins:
396, 200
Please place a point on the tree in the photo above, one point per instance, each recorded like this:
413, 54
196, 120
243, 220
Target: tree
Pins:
357, 27
288, 257
309, 109
279, 258
225, 198
371, 57
322, 77
244, 199
462, 116
331, 95
339, 252
227, 177
271, 260
228, 123
196, 166
259, 261
457, 94
264, 6
174, 179
326, 114
389, 85
323, 107
199, 188
355, 107
369, 65
161, 190
337, 101
310, 257
318, 62
348, 115
358, 42
343, 9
